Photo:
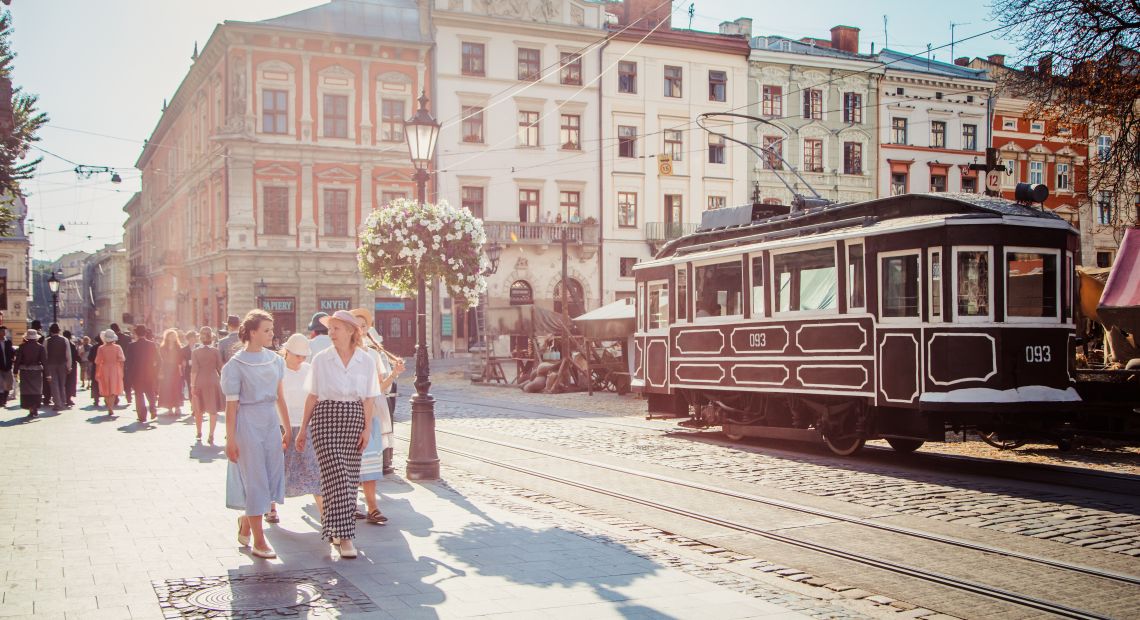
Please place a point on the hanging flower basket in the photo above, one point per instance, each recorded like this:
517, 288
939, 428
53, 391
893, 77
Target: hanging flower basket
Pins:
404, 240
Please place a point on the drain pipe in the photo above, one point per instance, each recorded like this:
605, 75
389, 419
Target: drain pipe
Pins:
601, 182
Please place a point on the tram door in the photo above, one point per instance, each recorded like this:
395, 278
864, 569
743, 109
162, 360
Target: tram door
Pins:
396, 322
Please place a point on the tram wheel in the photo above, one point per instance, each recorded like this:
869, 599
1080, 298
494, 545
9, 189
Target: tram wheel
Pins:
732, 436
844, 446
1003, 442
904, 446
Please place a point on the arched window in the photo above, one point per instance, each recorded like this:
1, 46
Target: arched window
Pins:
576, 300
521, 293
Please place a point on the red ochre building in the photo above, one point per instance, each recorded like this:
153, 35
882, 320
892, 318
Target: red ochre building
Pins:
282, 137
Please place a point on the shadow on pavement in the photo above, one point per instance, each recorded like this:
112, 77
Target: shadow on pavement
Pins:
136, 426
101, 419
206, 453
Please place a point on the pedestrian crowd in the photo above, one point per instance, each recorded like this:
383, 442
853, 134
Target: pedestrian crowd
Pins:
312, 418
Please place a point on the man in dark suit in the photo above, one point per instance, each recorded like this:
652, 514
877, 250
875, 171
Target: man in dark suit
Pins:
128, 366
58, 361
39, 327
7, 355
144, 371
72, 370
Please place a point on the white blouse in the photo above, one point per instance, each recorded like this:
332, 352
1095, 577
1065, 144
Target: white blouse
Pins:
293, 384
330, 379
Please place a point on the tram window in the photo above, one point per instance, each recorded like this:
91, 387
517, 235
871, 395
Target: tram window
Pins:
719, 288
682, 294
807, 280
658, 305
855, 277
936, 284
1030, 284
973, 288
641, 306
900, 286
757, 286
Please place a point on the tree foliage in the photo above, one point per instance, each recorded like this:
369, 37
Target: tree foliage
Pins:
27, 120
1085, 59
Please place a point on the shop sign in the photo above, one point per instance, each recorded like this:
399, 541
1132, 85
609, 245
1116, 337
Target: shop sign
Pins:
332, 304
397, 306
277, 304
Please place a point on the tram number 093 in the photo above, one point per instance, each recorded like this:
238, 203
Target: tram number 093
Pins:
757, 341
1038, 354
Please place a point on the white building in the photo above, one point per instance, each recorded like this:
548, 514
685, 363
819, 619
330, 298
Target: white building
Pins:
820, 98
933, 125
15, 296
661, 80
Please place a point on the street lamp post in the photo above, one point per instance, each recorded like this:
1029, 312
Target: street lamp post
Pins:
53, 286
262, 290
421, 132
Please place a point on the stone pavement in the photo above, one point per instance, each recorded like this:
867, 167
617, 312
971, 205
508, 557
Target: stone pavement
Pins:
105, 518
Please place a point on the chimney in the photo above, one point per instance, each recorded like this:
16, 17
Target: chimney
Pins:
964, 61
741, 27
1045, 65
651, 13
845, 38
996, 59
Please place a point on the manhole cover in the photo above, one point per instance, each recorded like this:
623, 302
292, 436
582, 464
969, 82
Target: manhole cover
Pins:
254, 596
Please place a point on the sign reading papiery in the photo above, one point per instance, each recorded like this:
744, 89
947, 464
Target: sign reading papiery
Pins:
278, 304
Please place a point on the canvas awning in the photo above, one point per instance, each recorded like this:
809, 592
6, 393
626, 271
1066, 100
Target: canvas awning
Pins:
1120, 302
613, 321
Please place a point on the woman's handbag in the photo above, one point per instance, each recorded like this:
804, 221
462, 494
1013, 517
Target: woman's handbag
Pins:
235, 491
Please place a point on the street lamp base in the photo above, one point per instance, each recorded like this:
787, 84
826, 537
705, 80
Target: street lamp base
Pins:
423, 460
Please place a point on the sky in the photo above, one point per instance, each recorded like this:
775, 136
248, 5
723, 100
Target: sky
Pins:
103, 68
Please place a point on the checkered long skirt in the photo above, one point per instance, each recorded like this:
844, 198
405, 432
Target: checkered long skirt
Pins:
336, 428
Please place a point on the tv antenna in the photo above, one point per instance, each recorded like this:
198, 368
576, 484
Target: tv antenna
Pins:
954, 25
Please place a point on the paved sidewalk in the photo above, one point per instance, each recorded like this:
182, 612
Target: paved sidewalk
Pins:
95, 513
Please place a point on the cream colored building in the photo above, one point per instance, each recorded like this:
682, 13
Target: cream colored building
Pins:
106, 276
15, 296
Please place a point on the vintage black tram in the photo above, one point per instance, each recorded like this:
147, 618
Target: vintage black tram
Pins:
895, 318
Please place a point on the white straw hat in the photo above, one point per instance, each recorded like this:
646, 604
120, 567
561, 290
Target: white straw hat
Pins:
298, 344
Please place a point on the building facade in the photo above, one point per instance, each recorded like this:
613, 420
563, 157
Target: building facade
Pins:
933, 119
105, 279
282, 137
15, 296
660, 170
820, 101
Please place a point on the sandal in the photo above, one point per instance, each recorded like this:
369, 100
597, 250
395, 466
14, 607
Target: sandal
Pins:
272, 517
376, 518
360, 514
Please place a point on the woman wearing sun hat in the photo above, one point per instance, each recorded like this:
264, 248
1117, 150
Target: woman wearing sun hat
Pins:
302, 474
109, 360
342, 386
29, 365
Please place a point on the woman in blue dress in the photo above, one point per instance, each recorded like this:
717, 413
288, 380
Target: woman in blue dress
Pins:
255, 414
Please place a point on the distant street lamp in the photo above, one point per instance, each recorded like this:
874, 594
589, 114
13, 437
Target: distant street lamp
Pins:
53, 286
262, 291
421, 132
494, 252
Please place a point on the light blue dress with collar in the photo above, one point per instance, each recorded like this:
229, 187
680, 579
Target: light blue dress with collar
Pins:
253, 379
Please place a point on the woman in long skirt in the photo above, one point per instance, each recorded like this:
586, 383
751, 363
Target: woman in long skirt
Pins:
29, 366
302, 473
342, 387
255, 415
109, 361
170, 372
206, 396
372, 461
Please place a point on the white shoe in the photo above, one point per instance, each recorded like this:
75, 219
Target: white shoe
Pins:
347, 551
243, 539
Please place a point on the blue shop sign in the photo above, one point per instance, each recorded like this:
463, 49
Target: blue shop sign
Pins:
391, 305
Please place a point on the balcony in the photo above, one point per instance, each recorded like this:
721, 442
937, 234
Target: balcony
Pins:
660, 232
541, 235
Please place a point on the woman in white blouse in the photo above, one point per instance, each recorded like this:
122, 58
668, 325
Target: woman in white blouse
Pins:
342, 386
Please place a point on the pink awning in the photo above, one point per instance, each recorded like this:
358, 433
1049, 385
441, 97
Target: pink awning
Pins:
1120, 302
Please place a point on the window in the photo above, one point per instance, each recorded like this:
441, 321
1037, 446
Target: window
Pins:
813, 155
1009, 123
336, 212
969, 137
1037, 127
773, 101
758, 301
392, 120
1012, 175
805, 280
274, 111
530, 64
1104, 259
898, 130
571, 133
672, 81
1104, 208
1062, 177
900, 286
852, 158
658, 304
571, 72
973, 283
938, 182
1031, 285
1036, 172
1103, 147
674, 147
773, 152
528, 128
627, 77
673, 213
899, 90
627, 141
969, 184
718, 289
275, 211
471, 198
625, 266
473, 124
856, 277
717, 202
718, 85
473, 59
388, 197
852, 108
899, 182
570, 206
938, 134
813, 104
627, 209
528, 205
935, 283
682, 288
716, 149
336, 116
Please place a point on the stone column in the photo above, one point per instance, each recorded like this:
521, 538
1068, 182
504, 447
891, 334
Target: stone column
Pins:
241, 225
306, 99
367, 192
307, 229
365, 90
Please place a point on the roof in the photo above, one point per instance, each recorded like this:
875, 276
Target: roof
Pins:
613, 320
774, 43
1120, 302
397, 20
898, 61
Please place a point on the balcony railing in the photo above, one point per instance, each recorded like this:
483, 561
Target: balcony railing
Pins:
667, 231
540, 233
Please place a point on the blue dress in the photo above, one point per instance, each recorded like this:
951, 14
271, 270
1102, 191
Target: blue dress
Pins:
253, 378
